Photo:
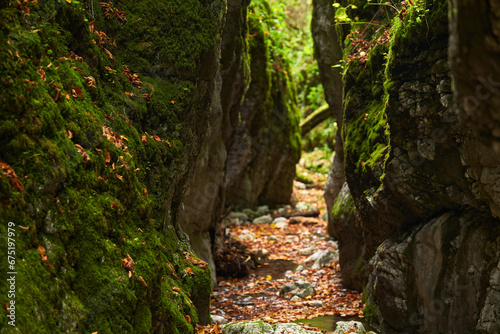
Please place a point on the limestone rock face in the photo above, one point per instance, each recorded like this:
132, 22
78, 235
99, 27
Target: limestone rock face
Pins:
252, 140
328, 53
417, 222
204, 200
265, 145
443, 268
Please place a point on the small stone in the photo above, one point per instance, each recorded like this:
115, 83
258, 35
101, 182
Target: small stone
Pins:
281, 225
263, 210
279, 219
299, 268
238, 215
300, 185
302, 206
344, 327
267, 219
273, 238
251, 214
295, 299
217, 319
322, 258
307, 251
316, 303
299, 288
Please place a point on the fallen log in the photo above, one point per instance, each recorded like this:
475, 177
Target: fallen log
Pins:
313, 213
303, 221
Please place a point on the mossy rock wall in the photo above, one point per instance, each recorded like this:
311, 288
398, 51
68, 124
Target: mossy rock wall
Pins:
421, 177
99, 173
265, 145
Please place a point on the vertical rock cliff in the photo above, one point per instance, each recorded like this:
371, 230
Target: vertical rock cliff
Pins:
253, 140
417, 220
105, 108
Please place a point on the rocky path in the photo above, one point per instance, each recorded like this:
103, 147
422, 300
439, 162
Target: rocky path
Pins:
295, 273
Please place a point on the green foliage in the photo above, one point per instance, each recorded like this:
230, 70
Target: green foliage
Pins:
89, 214
291, 35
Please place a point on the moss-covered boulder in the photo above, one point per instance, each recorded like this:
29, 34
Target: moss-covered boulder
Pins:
104, 107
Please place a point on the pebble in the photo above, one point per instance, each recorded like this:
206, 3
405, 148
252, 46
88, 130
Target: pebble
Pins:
267, 219
316, 303
299, 268
217, 319
307, 251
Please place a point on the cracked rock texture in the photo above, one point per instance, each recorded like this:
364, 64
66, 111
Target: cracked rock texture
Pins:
417, 220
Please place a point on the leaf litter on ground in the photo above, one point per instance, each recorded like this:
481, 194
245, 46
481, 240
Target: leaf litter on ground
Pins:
256, 297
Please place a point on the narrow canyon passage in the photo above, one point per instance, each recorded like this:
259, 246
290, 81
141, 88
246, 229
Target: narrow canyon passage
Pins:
285, 249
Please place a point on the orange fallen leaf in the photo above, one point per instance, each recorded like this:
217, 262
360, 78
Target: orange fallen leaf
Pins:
144, 139
108, 53
188, 318
190, 271
145, 191
158, 139
176, 289
83, 153
67, 95
41, 251
119, 177
108, 156
68, 133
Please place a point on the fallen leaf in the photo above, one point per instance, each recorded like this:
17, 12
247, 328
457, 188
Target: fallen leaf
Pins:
143, 281
176, 289
145, 191
130, 95
58, 92
41, 72
108, 53
83, 153
72, 55
188, 318
41, 251
172, 101
119, 177
158, 139
90, 81
108, 156
110, 118
67, 95
68, 133
145, 139
190, 271
24, 228
77, 92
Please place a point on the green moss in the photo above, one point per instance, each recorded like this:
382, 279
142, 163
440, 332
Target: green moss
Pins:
371, 310
86, 213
